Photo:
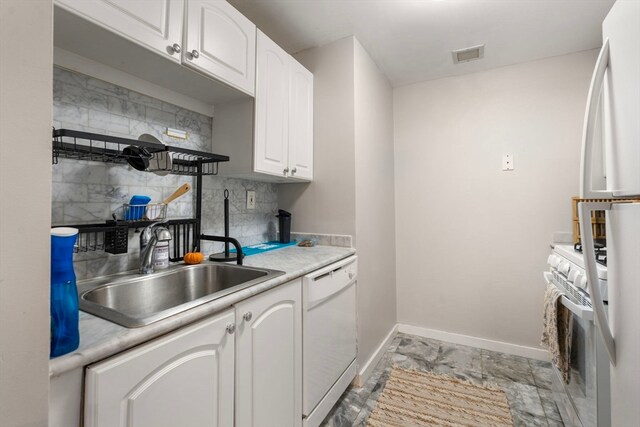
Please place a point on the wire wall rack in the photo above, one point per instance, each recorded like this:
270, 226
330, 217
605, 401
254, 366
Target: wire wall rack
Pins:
72, 144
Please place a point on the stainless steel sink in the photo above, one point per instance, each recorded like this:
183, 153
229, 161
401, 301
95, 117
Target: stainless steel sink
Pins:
134, 300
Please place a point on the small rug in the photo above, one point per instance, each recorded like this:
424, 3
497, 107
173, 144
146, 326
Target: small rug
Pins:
412, 398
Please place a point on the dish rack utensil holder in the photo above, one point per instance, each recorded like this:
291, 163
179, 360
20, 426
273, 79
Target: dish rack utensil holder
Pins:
150, 211
113, 235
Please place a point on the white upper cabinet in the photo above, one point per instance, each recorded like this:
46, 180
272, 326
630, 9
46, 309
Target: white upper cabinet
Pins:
220, 41
217, 40
301, 122
283, 142
269, 358
271, 145
183, 379
156, 25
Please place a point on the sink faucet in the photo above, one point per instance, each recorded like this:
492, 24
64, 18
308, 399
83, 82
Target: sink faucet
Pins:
149, 238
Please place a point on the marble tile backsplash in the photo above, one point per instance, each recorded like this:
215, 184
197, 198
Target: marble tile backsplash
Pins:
90, 192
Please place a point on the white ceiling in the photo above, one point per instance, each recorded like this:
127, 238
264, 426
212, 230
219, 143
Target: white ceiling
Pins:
412, 40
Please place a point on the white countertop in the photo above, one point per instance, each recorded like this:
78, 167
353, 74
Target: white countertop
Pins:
100, 338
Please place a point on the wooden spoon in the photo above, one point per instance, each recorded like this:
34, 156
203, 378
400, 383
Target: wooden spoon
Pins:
158, 209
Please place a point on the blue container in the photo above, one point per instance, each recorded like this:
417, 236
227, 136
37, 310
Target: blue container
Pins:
65, 336
137, 208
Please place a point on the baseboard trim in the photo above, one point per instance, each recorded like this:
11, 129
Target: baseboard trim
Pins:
365, 371
503, 347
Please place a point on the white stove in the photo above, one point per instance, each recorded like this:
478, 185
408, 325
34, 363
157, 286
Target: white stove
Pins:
567, 266
585, 400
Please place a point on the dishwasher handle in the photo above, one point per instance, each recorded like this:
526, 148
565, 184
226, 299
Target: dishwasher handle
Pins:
324, 284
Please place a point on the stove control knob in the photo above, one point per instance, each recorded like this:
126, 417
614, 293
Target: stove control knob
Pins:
581, 281
553, 260
573, 274
564, 267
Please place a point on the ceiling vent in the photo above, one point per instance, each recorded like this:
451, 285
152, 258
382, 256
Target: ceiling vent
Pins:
468, 54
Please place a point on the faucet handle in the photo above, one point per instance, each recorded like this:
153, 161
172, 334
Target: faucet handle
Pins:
162, 234
146, 233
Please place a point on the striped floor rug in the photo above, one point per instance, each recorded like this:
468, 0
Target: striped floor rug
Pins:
412, 398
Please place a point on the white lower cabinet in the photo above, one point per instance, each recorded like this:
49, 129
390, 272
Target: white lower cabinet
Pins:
269, 358
183, 379
241, 367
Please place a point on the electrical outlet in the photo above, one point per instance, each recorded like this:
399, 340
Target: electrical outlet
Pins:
507, 162
251, 199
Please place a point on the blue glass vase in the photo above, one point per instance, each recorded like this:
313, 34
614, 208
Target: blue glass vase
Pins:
65, 336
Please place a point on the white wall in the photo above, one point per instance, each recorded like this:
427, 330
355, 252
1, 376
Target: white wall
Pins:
327, 205
472, 240
375, 212
25, 193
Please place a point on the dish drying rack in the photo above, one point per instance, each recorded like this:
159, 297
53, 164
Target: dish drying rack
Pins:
113, 235
73, 144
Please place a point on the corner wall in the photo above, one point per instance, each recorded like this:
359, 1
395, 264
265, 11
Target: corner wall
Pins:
352, 190
472, 240
26, 37
375, 204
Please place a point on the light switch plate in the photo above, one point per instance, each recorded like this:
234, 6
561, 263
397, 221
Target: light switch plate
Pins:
251, 199
507, 162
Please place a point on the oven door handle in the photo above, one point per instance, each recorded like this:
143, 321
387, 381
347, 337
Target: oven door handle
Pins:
586, 235
583, 312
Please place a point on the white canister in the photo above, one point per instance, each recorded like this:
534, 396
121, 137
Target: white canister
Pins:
161, 256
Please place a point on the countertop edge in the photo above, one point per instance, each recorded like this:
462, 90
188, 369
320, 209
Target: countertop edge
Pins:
128, 338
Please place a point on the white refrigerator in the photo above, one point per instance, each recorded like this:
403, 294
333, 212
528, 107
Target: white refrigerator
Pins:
610, 172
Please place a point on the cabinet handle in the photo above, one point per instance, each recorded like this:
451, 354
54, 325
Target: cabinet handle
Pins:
294, 170
195, 54
285, 171
351, 276
247, 316
176, 48
231, 328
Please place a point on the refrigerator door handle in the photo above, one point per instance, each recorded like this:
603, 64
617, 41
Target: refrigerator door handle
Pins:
586, 235
586, 163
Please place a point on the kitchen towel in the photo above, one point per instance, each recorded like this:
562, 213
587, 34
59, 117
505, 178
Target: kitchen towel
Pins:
557, 330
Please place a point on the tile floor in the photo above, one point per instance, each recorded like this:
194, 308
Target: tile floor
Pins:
526, 382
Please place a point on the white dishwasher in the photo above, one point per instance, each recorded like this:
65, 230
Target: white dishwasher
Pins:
329, 337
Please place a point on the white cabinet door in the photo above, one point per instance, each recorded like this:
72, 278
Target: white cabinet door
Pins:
156, 24
271, 140
182, 379
269, 358
221, 42
300, 122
